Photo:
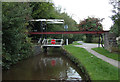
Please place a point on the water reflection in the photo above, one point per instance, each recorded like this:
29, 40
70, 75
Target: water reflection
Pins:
46, 66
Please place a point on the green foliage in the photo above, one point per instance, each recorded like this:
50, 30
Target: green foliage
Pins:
71, 26
95, 39
42, 10
90, 24
115, 18
76, 43
88, 38
96, 68
78, 37
69, 21
116, 26
16, 44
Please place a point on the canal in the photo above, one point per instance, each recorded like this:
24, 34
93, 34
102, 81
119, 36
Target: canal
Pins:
53, 65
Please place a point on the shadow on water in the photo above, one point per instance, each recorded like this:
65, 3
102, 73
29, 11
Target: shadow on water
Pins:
52, 65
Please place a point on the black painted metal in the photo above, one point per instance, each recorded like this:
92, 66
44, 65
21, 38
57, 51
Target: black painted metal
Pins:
102, 40
99, 41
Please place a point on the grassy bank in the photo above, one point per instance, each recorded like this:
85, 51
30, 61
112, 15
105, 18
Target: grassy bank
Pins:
75, 43
106, 53
96, 68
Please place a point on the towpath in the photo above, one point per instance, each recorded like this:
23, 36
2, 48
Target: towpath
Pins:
88, 47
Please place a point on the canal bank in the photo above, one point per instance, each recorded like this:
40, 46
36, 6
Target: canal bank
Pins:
78, 64
95, 67
37, 50
52, 65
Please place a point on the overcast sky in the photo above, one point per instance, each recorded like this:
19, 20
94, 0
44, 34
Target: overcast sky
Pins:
80, 9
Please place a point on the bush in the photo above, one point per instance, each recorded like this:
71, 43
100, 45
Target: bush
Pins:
15, 43
95, 40
88, 38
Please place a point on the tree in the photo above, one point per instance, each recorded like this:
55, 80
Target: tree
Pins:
42, 10
71, 26
116, 17
49, 11
90, 24
16, 44
116, 26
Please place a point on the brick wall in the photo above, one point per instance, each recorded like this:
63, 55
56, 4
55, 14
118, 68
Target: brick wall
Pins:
110, 41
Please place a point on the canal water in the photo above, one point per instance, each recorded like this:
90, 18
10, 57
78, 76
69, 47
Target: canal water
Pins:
52, 65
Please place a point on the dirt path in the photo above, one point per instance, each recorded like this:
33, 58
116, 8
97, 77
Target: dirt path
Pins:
88, 47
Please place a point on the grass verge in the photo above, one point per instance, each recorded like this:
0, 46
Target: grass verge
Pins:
75, 43
96, 68
106, 53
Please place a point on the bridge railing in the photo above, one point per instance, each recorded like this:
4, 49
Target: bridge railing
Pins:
48, 42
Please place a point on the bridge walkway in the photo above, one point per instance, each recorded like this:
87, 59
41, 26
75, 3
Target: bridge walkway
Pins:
52, 43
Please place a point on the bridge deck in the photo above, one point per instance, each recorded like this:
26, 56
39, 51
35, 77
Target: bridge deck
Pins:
47, 43
51, 45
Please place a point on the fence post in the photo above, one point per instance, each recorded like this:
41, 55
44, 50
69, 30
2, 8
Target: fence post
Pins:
66, 41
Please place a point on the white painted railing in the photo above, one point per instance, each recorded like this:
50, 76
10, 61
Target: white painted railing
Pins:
48, 42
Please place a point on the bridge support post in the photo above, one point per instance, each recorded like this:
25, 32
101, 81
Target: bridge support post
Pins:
66, 41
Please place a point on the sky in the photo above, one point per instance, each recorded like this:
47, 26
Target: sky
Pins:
81, 9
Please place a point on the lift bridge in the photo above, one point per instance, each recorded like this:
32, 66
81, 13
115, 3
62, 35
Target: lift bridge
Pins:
49, 42
58, 42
